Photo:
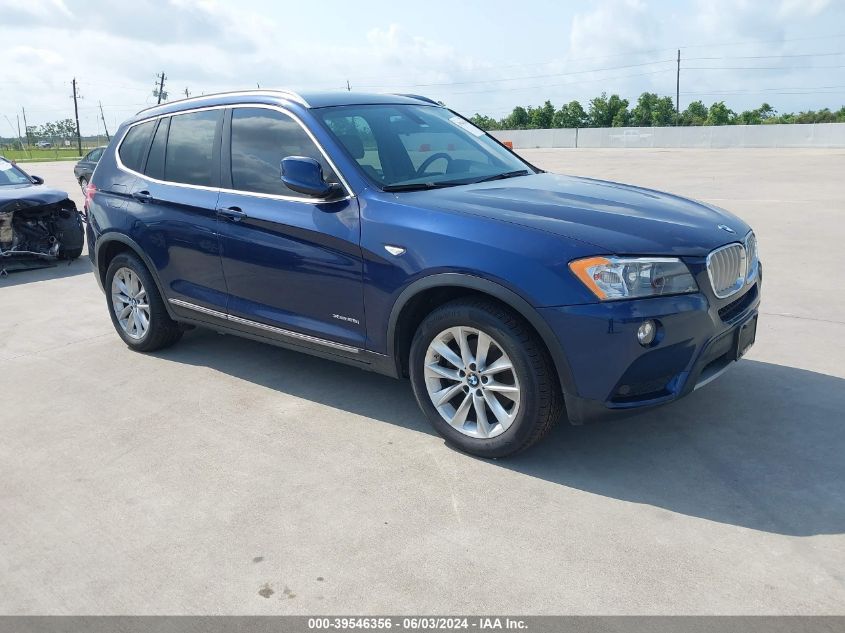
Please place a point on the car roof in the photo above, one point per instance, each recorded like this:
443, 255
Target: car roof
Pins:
282, 97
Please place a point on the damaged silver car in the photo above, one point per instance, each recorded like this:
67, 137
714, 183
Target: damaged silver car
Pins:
38, 225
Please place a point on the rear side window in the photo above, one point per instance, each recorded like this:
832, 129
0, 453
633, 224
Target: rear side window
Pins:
155, 161
133, 149
189, 157
261, 138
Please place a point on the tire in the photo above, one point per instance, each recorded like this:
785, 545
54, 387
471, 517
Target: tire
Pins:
83, 182
161, 331
70, 234
514, 425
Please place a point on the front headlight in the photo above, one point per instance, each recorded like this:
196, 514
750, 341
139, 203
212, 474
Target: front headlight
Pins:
633, 277
752, 256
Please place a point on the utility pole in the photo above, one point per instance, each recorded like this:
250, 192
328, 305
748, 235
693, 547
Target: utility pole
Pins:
103, 117
348, 87
76, 114
187, 93
678, 86
158, 91
25, 127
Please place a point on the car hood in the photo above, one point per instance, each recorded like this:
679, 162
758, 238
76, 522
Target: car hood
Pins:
619, 219
14, 197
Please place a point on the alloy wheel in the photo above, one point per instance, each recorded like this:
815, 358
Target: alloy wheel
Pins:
472, 382
130, 303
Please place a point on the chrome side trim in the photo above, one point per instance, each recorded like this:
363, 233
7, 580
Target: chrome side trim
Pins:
262, 326
192, 306
349, 193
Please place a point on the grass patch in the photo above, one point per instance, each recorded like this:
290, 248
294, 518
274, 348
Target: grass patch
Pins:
41, 155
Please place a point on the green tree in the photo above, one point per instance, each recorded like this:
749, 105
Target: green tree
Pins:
485, 122
694, 114
720, 114
607, 111
542, 117
66, 129
748, 117
570, 115
516, 120
766, 112
653, 110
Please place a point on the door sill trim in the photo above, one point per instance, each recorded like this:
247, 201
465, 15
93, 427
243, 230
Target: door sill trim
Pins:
262, 326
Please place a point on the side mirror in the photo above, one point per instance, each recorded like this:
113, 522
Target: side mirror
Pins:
305, 175
37, 180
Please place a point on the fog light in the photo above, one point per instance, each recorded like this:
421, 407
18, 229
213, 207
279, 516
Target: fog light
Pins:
646, 332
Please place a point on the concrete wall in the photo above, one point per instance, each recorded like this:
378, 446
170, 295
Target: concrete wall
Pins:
793, 135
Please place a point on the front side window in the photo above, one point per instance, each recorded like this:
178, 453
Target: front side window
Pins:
189, 157
411, 146
261, 138
133, 149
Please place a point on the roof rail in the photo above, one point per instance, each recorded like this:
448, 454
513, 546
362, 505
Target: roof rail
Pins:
287, 94
420, 97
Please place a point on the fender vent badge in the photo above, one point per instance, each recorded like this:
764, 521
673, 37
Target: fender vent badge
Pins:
394, 250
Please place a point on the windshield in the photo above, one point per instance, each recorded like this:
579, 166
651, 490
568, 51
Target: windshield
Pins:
11, 175
403, 147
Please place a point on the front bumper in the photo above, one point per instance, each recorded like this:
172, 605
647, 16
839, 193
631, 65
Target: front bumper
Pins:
612, 373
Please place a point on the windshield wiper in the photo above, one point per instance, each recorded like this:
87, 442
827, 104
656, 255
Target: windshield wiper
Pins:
507, 174
420, 186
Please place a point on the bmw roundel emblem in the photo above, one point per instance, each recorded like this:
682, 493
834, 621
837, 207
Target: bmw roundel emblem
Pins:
725, 227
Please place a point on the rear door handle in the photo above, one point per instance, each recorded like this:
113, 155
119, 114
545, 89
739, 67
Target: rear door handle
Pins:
142, 196
232, 213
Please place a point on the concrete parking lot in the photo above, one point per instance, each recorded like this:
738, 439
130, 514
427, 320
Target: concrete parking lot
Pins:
225, 476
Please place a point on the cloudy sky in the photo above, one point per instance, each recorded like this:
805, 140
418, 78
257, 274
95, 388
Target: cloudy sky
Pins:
475, 56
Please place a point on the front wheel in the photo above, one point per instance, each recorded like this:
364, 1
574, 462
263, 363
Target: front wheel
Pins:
483, 378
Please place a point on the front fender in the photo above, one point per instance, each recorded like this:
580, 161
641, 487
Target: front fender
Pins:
493, 289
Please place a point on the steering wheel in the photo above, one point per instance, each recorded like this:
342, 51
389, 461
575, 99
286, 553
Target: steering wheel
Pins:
425, 164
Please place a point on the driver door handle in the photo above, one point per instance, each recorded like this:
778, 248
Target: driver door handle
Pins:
234, 214
142, 196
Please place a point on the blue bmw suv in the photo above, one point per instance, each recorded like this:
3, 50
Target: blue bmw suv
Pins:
389, 233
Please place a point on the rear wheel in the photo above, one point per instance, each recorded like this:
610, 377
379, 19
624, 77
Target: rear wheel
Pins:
136, 307
483, 379
83, 184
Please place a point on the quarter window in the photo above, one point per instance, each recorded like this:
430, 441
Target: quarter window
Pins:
155, 161
261, 138
133, 149
189, 157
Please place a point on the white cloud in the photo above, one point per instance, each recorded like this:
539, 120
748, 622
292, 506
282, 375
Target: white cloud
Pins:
115, 50
618, 26
791, 8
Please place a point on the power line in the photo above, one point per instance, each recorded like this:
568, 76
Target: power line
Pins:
569, 83
761, 67
767, 56
489, 81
